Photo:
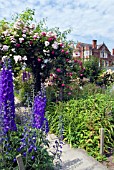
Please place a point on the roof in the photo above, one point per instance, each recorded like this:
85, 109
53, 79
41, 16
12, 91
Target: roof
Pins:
98, 46
90, 45
85, 44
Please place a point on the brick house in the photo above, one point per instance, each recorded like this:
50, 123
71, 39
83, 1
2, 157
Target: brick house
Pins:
84, 51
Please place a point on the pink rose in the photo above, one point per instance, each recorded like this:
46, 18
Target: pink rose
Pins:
81, 75
39, 59
43, 33
50, 39
70, 74
51, 75
58, 70
62, 51
75, 61
63, 85
53, 52
31, 42
67, 60
69, 93
66, 52
61, 44
17, 45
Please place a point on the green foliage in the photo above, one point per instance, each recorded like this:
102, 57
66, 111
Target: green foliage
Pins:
82, 120
106, 78
76, 92
92, 69
23, 88
10, 149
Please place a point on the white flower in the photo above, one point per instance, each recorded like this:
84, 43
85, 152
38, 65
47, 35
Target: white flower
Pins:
46, 52
5, 48
51, 34
18, 24
32, 26
81, 88
25, 58
24, 31
4, 58
13, 49
24, 35
55, 45
17, 58
36, 36
6, 33
13, 40
31, 32
21, 40
47, 43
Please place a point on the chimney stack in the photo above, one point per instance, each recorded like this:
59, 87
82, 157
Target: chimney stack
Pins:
113, 51
94, 44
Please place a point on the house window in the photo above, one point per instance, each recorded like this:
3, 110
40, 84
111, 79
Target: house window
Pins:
107, 63
86, 53
103, 54
90, 52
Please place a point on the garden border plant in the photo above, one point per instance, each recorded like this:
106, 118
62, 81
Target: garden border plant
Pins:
82, 120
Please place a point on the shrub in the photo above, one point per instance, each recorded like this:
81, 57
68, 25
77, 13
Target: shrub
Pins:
76, 92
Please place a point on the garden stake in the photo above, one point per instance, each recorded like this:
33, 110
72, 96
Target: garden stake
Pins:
20, 162
102, 141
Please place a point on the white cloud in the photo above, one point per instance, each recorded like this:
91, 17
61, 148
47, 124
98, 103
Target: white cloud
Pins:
87, 18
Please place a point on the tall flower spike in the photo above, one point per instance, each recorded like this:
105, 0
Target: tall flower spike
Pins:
39, 110
7, 107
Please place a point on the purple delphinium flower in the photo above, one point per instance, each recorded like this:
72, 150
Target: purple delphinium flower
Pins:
25, 76
39, 110
7, 107
46, 125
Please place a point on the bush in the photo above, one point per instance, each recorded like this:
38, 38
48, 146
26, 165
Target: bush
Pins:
82, 120
77, 91
31, 144
92, 69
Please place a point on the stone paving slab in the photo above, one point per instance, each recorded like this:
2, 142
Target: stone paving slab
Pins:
76, 159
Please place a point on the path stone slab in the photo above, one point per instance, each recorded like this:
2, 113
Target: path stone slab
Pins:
76, 159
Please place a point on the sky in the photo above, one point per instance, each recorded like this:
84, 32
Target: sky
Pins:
88, 19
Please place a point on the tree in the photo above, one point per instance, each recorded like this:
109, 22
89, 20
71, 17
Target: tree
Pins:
92, 69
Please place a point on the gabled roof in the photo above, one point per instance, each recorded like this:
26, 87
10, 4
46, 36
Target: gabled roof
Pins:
100, 46
90, 45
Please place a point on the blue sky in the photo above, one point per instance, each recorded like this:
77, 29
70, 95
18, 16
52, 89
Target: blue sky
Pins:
88, 19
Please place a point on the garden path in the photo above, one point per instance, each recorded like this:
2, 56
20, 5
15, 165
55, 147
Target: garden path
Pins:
76, 159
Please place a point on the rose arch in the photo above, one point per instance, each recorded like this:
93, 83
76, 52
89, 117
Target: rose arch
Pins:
45, 51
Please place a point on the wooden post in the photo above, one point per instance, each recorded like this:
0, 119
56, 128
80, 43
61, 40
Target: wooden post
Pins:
20, 162
102, 141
